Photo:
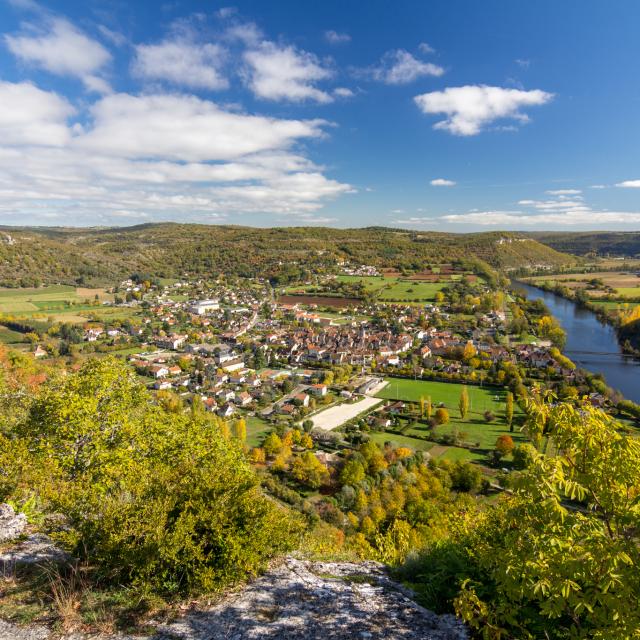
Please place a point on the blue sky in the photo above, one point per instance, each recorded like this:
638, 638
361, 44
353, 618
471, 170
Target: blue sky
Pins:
444, 115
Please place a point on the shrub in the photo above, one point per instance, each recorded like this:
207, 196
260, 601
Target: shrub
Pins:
157, 500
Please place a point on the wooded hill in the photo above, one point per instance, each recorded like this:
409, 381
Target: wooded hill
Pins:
33, 256
603, 243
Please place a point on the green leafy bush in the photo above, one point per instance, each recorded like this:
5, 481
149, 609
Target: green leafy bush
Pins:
155, 499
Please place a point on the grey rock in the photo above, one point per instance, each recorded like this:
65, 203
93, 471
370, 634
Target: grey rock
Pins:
10, 631
12, 525
307, 600
36, 549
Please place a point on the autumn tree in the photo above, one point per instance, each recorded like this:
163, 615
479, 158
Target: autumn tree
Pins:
308, 470
240, 429
442, 415
463, 402
272, 444
504, 445
509, 410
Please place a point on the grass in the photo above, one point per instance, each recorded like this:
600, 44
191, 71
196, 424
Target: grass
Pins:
629, 292
52, 300
474, 425
257, 429
397, 289
401, 441
7, 336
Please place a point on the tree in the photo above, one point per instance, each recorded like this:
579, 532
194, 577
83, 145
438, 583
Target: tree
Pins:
240, 429
504, 445
541, 567
442, 415
308, 470
428, 408
523, 455
272, 444
469, 351
353, 473
463, 402
509, 410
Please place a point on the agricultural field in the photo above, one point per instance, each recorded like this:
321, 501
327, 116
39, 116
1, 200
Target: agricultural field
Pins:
625, 284
396, 289
472, 429
51, 300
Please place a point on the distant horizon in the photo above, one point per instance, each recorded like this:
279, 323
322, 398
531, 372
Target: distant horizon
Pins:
4, 227
464, 117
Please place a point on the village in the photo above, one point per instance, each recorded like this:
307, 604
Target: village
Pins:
246, 351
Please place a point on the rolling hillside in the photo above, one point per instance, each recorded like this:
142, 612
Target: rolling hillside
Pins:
604, 243
32, 256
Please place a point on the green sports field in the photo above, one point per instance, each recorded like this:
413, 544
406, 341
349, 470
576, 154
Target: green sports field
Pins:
473, 428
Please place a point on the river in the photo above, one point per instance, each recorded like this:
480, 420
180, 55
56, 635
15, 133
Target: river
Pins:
591, 344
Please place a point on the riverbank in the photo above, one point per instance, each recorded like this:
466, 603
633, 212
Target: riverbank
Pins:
591, 343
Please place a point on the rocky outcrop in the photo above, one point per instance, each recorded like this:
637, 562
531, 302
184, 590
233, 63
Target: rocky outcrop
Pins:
301, 599
318, 601
12, 525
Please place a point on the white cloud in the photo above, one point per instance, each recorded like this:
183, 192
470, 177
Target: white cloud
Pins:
519, 220
226, 12
285, 73
426, 48
64, 50
246, 32
151, 157
115, 37
186, 128
442, 182
400, 67
523, 63
181, 62
334, 37
471, 108
29, 115
628, 184
598, 186
343, 92
564, 192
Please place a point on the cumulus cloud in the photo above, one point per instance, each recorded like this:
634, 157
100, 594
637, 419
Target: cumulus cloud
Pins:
627, 184
285, 73
400, 67
471, 108
62, 49
334, 37
29, 115
197, 66
442, 182
186, 128
151, 157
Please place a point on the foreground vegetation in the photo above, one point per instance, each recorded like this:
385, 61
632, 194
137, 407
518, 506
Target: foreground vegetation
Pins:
160, 503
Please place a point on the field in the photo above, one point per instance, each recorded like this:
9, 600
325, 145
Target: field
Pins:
48, 300
397, 289
472, 429
626, 284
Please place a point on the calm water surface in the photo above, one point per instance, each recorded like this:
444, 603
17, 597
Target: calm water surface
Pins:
591, 344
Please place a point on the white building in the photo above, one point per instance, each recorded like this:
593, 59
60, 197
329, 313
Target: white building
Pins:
201, 307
